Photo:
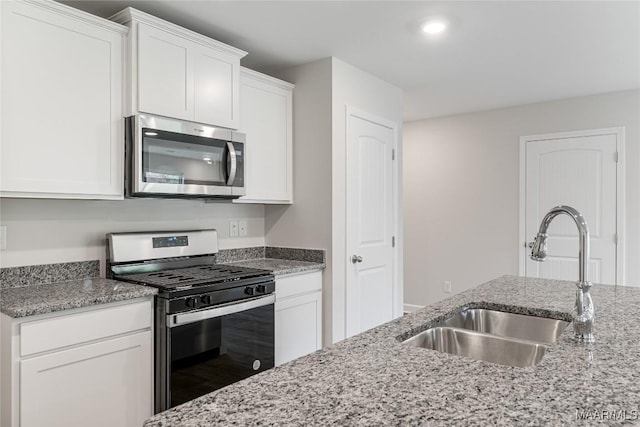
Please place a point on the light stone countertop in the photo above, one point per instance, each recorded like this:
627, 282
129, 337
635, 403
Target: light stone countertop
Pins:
51, 297
374, 379
279, 267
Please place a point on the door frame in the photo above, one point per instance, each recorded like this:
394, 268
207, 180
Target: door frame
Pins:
396, 197
619, 132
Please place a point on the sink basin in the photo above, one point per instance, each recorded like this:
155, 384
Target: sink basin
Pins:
532, 328
480, 346
493, 336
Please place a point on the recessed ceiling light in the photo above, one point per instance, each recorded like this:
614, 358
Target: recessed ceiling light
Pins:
151, 133
434, 27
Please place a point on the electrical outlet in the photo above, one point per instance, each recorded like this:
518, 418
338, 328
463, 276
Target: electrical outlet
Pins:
242, 228
446, 287
233, 228
3, 237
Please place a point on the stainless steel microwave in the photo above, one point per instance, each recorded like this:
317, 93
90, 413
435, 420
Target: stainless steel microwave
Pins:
171, 158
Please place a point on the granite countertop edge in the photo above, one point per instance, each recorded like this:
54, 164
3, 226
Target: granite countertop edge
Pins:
48, 298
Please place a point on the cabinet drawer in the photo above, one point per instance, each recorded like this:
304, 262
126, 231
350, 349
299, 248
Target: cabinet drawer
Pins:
298, 284
72, 329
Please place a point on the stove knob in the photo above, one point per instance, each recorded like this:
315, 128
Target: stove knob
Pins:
249, 290
190, 302
205, 299
261, 289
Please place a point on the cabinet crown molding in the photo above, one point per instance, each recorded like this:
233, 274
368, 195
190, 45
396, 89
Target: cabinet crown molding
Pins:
78, 15
130, 15
255, 75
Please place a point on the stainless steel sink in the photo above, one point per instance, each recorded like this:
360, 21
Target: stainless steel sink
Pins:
532, 328
493, 336
479, 346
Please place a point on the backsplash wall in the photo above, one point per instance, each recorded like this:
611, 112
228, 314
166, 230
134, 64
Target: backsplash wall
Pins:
44, 231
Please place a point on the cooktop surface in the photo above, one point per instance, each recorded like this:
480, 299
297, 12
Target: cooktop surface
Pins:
193, 276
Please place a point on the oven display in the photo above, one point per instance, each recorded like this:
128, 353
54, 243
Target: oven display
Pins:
170, 242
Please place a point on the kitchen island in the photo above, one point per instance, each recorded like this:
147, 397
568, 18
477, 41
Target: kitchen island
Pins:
374, 379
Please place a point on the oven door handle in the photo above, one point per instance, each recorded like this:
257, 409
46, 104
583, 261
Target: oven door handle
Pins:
197, 316
232, 163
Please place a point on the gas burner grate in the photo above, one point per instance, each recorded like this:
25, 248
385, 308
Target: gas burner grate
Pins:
206, 274
221, 269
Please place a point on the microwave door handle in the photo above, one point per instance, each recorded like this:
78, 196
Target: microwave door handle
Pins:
231, 163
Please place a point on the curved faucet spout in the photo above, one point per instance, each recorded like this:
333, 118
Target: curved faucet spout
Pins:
583, 231
584, 306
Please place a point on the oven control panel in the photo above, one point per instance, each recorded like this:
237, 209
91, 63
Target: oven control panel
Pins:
208, 299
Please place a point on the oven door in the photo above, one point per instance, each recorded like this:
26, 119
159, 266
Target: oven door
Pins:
183, 159
212, 348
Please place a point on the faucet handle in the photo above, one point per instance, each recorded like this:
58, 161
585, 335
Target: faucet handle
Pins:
539, 248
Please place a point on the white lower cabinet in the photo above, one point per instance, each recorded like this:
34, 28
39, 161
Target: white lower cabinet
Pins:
298, 316
55, 372
89, 382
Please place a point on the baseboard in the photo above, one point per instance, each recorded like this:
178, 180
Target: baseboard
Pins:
410, 308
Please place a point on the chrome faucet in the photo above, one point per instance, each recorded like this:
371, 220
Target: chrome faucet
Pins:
583, 321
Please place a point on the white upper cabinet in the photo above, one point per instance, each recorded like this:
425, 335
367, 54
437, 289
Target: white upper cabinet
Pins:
266, 117
178, 73
61, 129
164, 86
216, 83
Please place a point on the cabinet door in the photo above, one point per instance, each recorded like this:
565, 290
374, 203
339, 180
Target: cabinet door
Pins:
266, 118
103, 384
165, 74
298, 326
216, 87
61, 89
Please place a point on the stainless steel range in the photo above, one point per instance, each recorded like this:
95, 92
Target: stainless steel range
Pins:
213, 323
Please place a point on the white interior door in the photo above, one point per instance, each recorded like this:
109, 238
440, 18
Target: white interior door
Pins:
370, 223
578, 170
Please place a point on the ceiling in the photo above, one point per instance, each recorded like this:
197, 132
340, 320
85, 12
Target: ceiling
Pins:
495, 53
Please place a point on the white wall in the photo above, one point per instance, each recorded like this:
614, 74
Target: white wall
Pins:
364, 92
307, 223
461, 183
317, 218
42, 231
